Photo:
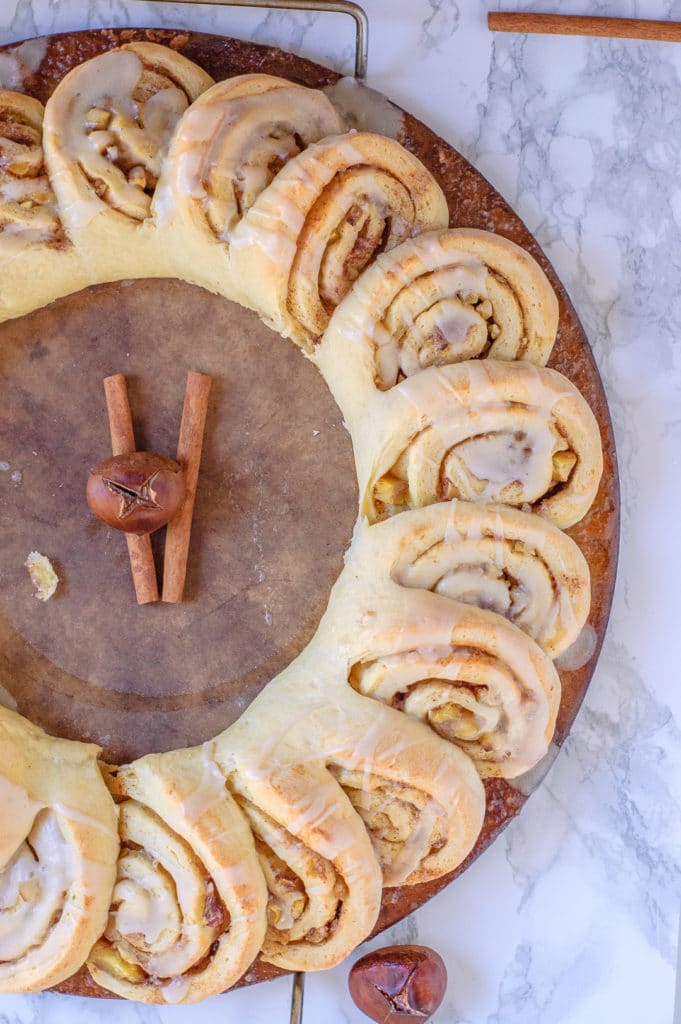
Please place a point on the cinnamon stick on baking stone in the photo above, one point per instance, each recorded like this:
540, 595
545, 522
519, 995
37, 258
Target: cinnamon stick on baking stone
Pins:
189, 456
584, 25
123, 443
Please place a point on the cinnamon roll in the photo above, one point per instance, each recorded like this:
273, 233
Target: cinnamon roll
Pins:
324, 217
28, 210
476, 679
419, 797
323, 881
501, 559
108, 126
439, 298
483, 431
58, 849
37, 264
188, 910
233, 140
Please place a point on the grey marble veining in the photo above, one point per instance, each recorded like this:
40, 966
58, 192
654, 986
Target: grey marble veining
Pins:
572, 917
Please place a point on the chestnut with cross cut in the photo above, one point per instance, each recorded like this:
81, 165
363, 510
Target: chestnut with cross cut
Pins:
399, 984
138, 493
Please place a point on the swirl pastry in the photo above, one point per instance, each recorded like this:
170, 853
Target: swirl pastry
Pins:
422, 807
323, 881
188, 911
324, 217
233, 140
419, 797
474, 677
28, 211
58, 849
37, 264
498, 558
108, 126
484, 431
439, 298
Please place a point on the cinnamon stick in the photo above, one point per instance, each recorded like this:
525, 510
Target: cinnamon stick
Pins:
122, 443
189, 456
584, 25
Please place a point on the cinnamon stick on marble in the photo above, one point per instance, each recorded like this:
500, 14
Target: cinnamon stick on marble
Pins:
122, 443
189, 456
584, 25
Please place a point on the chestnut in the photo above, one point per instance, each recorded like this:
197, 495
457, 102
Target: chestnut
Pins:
136, 493
399, 984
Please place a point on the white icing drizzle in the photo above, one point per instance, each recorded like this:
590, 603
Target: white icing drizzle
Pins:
365, 109
210, 790
6, 699
33, 888
581, 652
19, 61
136, 132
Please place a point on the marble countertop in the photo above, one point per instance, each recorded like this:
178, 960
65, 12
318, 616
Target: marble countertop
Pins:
572, 917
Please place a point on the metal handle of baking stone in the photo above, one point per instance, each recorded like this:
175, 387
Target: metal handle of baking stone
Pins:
353, 10
297, 993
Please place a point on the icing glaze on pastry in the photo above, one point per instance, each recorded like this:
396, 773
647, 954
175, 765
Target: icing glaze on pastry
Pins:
484, 431
58, 848
188, 908
439, 298
328, 212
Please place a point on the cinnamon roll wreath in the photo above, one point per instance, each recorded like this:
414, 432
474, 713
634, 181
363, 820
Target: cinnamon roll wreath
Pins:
359, 766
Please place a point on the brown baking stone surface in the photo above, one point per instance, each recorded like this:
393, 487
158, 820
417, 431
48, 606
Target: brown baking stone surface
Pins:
276, 500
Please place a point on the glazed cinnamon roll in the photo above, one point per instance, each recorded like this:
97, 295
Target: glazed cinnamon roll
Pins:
37, 263
28, 212
323, 881
326, 215
58, 849
439, 298
419, 797
108, 126
188, 909
472, 676
233, 140
483, 431
498, 558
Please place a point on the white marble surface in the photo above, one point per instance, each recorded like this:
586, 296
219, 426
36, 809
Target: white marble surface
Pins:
572, 916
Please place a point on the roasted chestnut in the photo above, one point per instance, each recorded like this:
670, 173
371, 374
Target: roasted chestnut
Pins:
136, 493
399, 984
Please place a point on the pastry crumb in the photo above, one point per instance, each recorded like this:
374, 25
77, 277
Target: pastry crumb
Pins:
43, 576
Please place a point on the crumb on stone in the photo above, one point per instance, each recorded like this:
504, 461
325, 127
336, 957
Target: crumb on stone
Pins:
43, 576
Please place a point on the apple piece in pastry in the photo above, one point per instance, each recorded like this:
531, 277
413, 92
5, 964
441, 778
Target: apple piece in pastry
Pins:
498, 558
58, 849
188, 909
440, 298
484, 431
327, 213
108, 126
